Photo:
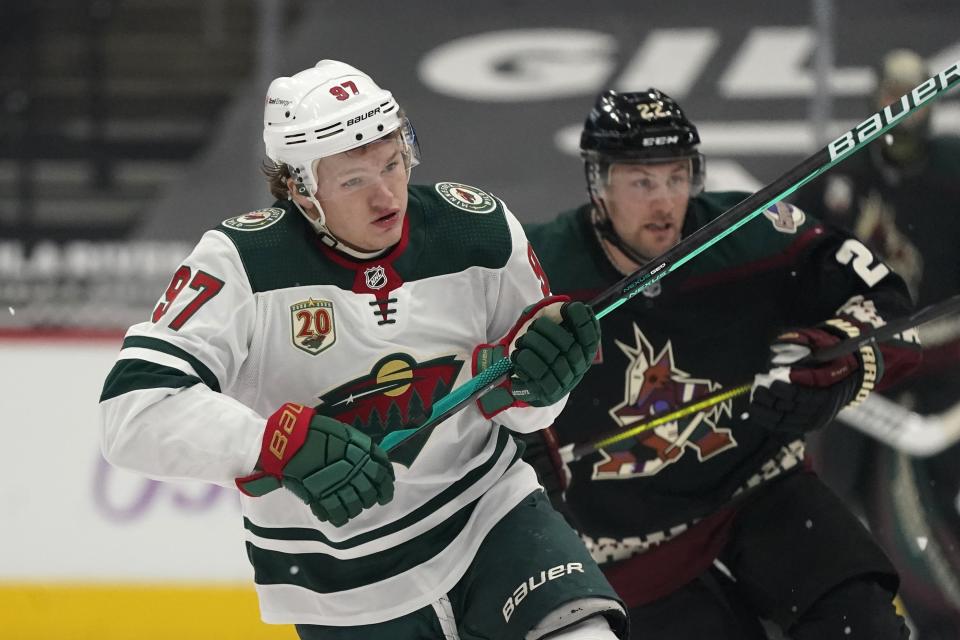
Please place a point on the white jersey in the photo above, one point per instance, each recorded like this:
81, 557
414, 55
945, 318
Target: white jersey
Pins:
261, 313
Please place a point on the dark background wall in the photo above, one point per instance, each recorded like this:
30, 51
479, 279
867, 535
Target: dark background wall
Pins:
131, 126
491, 87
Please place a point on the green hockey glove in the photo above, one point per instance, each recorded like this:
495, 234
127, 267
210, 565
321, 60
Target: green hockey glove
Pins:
335, 469
552, 345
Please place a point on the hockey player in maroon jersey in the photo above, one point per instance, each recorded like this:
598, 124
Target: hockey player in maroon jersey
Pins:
710, 523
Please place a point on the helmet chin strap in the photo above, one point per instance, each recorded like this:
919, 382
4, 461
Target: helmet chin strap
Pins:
605, 230
319, 225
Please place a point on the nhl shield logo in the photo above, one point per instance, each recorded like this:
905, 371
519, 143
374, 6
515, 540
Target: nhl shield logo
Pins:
375, 277
312, 324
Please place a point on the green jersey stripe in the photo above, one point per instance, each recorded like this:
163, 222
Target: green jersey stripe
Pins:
428, 508
156, 344
322, 573
132, 375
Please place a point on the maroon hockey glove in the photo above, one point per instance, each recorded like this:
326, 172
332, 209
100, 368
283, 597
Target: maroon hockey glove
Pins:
542, 452
552, 345
796, 396
335, 469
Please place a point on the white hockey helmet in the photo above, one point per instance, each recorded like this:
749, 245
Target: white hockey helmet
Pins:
325, 110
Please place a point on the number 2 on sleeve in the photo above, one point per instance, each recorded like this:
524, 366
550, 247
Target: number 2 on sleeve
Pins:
863, 261
207, 286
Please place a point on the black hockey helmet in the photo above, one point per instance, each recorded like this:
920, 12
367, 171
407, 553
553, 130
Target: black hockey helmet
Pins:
638, 126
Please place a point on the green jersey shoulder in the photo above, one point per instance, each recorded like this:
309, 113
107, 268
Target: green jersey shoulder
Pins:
769, 234
573, 259
569, 253
449, 227
278, 248
454, 226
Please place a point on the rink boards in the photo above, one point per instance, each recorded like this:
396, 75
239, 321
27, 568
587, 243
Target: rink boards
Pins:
89, 551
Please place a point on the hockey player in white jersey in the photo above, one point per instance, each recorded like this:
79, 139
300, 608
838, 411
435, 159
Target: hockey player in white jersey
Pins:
294, 338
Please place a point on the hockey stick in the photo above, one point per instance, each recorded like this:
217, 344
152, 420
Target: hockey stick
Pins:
571, 452
878, 417
902, 429
705, 237
921, 437
890, 329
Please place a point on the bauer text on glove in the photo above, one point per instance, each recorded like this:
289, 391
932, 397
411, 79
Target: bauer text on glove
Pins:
334, 468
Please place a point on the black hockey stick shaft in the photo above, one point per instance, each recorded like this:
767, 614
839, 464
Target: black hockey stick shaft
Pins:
879, 334
705, 237
746, 210
892, 328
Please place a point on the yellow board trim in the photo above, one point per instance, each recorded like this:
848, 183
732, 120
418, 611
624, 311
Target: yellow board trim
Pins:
33, 611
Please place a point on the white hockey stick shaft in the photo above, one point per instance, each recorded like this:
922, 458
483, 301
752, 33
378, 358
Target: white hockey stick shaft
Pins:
903, 429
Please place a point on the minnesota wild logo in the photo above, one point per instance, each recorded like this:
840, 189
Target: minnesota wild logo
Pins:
398, 393
465, 197
254, 220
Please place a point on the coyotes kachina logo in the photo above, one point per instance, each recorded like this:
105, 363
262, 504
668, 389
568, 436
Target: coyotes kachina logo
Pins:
655, 385
398, 393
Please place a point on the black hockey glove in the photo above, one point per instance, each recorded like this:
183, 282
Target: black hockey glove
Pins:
542, 452
334, 468
552, 345
795, 397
